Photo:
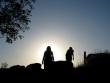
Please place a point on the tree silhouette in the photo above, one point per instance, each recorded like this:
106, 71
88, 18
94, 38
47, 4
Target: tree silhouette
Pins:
14, 18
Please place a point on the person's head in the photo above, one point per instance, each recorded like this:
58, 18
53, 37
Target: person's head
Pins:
48, 48
70, 48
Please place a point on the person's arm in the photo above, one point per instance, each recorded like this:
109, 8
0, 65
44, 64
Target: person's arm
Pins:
73, 54
52, 57
43, 59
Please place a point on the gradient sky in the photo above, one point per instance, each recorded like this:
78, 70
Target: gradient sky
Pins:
82, 24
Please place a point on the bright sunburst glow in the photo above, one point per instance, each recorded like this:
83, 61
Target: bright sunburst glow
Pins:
57, 52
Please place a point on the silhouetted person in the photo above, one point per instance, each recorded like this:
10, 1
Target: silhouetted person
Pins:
69, 54
47, 58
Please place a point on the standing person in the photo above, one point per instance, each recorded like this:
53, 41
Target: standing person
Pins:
70, 54
48, 58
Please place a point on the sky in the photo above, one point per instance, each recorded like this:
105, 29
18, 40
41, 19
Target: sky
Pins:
82, 24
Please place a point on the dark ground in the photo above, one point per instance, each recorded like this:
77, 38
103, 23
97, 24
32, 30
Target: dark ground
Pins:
96, 68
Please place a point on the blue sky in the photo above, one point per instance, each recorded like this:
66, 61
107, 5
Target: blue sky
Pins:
82, 24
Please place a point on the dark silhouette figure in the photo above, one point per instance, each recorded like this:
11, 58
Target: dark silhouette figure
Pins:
48, 58
69, 54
